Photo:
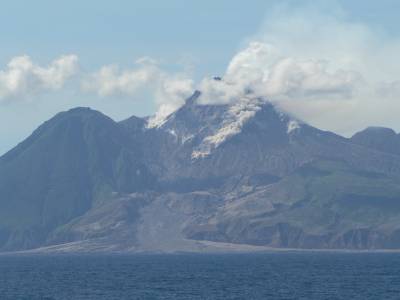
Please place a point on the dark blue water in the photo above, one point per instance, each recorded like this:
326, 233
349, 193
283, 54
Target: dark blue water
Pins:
243, 276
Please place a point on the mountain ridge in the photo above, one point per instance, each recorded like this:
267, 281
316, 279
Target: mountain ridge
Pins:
207, 178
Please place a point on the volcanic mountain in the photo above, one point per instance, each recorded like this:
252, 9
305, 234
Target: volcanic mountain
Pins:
242, 176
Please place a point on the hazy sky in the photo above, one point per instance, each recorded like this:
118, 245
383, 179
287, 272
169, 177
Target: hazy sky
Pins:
137, 57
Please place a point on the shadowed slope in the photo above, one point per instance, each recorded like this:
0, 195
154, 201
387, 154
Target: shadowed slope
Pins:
67, 165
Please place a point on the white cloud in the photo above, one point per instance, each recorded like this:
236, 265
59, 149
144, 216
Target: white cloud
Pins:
110, 80
316, 64
331, 72
220, 91
291, 78
23, 78
169, 89
171, 94
260, 70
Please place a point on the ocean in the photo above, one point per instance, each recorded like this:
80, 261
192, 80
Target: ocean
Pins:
280, 275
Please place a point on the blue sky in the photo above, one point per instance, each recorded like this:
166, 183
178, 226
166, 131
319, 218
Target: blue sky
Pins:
196, 37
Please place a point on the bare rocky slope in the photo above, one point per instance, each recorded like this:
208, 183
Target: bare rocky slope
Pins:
238, 177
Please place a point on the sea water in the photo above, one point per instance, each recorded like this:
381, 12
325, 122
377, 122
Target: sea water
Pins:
286, 275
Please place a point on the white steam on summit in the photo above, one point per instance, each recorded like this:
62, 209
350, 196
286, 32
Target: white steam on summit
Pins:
208, 126
233, 120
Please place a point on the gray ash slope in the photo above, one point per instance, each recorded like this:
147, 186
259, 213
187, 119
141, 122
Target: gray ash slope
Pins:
238, 177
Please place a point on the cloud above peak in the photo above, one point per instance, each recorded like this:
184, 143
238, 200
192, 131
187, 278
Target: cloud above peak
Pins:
22, 78
261, 70
111, 80
169, 89
316, 64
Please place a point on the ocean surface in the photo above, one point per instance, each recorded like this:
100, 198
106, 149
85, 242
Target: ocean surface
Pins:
289, 275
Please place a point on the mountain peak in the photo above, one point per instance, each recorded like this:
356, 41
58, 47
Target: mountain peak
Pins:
80, 109
193, 99
378, 130
208, 126
134, 124
83, 111
378, 138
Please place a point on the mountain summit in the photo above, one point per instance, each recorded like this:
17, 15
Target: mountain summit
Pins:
235, 177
